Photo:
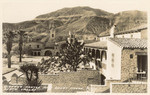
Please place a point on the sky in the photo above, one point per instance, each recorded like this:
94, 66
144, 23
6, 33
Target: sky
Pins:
14, 11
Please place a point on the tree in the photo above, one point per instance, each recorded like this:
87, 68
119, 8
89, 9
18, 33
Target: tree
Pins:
9, 41
72, 54
31, 73
21, 35
49, 66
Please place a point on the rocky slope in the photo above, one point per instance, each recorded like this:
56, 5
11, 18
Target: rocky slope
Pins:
79, 20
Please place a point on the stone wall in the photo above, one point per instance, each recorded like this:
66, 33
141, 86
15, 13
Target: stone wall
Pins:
68, 81
103, 88
76, 81
49, 79
99, 88
129, 88
129, 65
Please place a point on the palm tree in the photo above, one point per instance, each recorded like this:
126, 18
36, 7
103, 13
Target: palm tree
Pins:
21, 35
9, 41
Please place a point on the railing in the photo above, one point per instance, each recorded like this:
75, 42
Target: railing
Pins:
138, 77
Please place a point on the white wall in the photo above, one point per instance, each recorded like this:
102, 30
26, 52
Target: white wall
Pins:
104, 61
104, 38
113, 71
89, 37
34, 45
134, 35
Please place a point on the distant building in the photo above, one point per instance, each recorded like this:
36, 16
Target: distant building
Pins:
45, 49
138, 32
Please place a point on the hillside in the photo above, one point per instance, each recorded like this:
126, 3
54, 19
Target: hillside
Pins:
76, 11
79, 20
130, 19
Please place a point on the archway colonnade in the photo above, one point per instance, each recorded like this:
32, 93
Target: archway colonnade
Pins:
98, 55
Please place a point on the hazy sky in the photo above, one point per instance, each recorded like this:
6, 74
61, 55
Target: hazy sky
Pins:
22, 10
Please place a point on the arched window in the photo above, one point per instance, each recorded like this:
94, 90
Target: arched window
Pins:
39, 53
103, 56
97, 54
52, 35
93, 53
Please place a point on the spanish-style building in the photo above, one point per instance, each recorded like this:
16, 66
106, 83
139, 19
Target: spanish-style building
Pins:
45, 49
138, 32
121, 55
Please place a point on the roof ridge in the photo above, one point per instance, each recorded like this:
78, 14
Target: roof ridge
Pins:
114, 42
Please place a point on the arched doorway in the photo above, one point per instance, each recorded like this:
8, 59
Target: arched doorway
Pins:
57, 53
103, 79
97, 54
103, 55
39, 53
48, 53
93, 53
35, 54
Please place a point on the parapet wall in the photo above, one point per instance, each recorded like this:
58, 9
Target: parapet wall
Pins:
129, 88
67, 81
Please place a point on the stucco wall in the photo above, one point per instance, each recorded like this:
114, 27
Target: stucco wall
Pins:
129, 65
129, 88
129, 35
104, 38
34, 45
89, 37
144, 34
114, 61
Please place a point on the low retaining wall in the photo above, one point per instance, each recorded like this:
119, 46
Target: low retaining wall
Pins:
103, 88
49, 79
66, 81
129, 88
99, 89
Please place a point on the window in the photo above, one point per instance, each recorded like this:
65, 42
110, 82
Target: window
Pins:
131, 56
131, 36
38, 46
52, 35
112, 60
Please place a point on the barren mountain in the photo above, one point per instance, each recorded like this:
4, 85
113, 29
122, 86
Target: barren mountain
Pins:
79, 20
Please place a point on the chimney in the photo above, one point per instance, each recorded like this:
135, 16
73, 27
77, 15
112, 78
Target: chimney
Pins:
112, 31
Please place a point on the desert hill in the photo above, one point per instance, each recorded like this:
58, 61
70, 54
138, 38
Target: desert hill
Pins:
79, 20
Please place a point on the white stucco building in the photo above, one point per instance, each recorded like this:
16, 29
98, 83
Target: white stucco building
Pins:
138, 32
122, 55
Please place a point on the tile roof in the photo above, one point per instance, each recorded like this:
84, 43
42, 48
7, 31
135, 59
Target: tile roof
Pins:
130, 42
100, 44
